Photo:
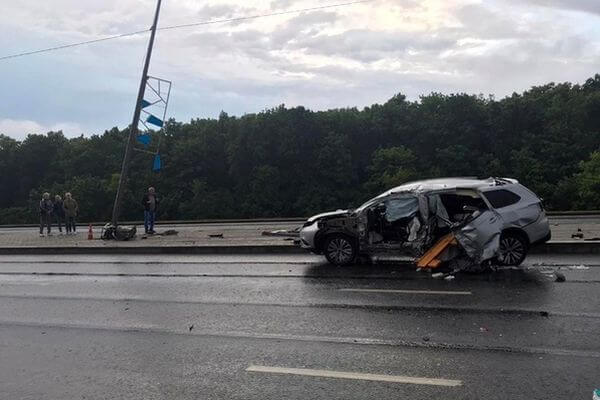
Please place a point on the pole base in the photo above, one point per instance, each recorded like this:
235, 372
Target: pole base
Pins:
120, 233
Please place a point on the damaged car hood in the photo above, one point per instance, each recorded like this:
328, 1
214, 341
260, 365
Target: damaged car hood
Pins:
330, 214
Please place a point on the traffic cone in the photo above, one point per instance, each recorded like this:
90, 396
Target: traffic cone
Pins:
90, 233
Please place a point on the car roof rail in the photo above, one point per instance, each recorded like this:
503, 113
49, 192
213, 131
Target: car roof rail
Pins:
504, 181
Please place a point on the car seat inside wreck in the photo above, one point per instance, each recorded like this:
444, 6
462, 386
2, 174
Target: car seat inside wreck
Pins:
412, 223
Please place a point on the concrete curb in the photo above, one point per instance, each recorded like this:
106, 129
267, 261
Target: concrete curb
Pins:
568, 247
565, 247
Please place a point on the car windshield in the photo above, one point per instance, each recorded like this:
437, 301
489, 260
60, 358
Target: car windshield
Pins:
370, 202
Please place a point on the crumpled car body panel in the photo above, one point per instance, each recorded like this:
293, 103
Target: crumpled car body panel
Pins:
480, 238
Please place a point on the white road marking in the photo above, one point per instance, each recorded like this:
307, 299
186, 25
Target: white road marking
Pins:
451, 292
355, 375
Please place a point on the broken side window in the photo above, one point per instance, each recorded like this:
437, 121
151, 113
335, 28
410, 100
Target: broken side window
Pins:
393, 219
400, 207
501, 198
456, 202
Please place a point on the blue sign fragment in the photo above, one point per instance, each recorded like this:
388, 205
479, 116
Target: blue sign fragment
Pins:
157, 163
154, 121
144, 139
145, 103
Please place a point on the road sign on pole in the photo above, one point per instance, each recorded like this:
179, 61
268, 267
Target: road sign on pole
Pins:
133, 128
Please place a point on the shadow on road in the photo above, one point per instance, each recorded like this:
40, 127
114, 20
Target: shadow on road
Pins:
518, 277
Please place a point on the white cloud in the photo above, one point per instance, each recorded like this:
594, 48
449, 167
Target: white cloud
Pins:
347, 56
19, 129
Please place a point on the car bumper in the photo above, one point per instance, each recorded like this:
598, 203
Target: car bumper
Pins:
543, 240
538, 231
307, 236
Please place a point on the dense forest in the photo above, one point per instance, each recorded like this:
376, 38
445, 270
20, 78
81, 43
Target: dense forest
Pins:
296, 162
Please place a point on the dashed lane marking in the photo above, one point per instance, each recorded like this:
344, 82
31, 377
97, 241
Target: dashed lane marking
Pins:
355, 375
443, 292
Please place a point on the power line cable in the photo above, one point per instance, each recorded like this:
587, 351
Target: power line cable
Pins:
65, 46
216, 21
236, 19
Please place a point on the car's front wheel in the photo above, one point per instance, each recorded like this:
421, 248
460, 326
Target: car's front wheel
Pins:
513, 249
339, 249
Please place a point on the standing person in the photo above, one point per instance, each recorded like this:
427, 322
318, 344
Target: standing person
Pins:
46, 208
71, 209
150, 202
59, 213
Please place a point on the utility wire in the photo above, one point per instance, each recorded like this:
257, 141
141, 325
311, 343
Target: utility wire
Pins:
218, 21
210, 22
65, 46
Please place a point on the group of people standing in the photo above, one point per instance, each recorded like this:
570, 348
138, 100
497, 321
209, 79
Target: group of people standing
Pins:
62, 211
65, 211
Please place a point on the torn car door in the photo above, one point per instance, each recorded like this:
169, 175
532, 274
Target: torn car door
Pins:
393, 224
480, 237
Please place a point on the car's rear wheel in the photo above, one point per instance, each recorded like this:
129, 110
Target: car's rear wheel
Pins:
513, 249
339, 249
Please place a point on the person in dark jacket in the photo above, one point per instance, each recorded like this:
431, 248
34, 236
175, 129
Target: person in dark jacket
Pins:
46, 208
59, 213
150, 202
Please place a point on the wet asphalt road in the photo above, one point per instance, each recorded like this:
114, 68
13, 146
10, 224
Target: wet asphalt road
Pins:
190, 327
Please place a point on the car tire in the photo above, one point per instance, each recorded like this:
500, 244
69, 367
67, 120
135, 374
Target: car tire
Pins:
339, 249
513, 249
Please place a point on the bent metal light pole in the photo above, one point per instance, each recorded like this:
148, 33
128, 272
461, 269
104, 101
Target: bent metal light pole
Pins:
133, 129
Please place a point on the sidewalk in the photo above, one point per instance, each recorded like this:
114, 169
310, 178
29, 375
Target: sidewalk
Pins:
199, 238
237, 238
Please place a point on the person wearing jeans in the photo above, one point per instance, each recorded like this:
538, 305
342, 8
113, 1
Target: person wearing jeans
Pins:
46, 208
59, 213
71, 209
150, 202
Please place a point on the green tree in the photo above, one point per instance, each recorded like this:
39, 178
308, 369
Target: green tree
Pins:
389, 168
588, 183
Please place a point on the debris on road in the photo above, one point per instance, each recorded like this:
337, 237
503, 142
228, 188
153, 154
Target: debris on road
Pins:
120, 233
292, 233
560, 277
577, 235
579, 267
215, 235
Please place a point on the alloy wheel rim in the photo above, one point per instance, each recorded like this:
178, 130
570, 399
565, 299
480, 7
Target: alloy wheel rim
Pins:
511, 250
340, 250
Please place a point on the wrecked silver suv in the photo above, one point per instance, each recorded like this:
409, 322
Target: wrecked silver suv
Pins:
487, 220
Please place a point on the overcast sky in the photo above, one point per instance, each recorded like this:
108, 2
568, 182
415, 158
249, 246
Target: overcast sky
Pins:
349, 56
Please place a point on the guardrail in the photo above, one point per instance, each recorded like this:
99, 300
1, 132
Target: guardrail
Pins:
573, 214
178, 222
